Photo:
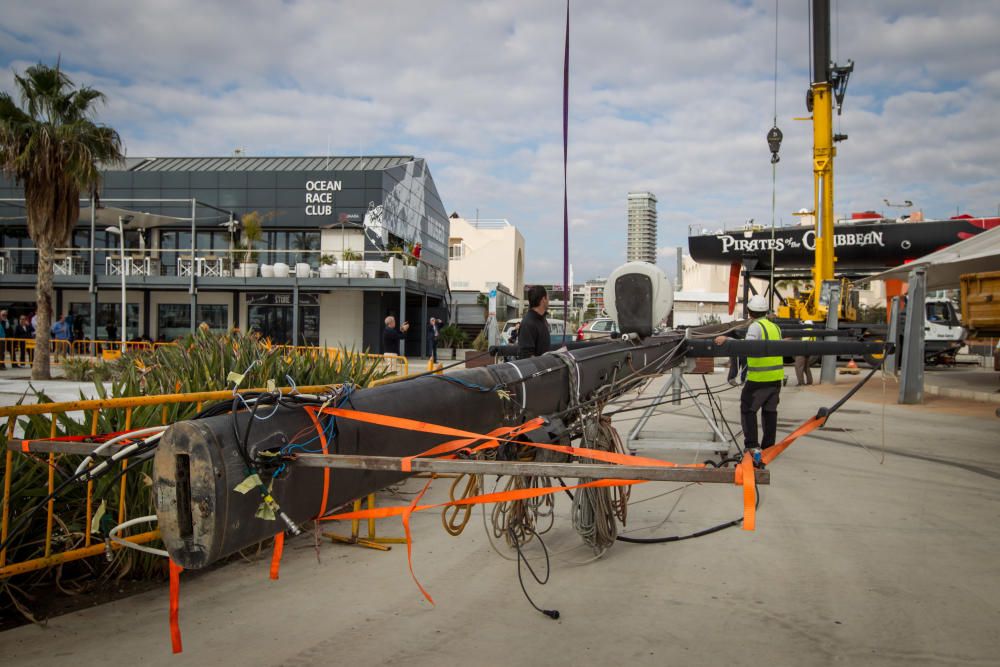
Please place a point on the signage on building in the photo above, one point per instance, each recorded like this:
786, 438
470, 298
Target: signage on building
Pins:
280, 299
319, 196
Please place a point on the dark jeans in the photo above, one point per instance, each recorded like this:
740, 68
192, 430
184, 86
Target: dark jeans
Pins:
432, 348
762, 396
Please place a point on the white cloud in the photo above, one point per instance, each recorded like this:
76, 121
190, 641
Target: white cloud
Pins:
671, 97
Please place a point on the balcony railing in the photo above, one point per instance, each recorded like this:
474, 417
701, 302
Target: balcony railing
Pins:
263, 263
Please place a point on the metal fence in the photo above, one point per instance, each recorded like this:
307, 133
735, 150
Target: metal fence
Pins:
85, 413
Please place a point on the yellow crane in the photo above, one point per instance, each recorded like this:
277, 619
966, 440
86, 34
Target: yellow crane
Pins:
829, 84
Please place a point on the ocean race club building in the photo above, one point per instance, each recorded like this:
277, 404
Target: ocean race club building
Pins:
342, 243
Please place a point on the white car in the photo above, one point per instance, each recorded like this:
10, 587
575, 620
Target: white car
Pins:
557, 330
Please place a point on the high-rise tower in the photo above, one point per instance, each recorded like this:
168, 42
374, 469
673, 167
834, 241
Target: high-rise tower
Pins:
641, 227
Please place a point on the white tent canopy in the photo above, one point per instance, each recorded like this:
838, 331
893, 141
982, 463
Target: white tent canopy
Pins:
945, 267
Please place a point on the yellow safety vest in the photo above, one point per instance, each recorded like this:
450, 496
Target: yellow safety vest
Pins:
766, 369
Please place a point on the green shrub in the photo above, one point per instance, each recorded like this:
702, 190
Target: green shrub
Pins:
199, 362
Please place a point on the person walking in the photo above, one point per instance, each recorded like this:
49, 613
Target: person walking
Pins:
533, 338
803, 363
433, 331
765, 376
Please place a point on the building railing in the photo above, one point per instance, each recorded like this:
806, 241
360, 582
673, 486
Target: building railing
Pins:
208, 263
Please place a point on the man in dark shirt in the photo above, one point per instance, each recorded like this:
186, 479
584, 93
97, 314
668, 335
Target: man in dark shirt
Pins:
391, 335
533, 338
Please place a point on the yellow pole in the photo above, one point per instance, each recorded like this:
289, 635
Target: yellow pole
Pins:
50, 514
7, 478
823, 154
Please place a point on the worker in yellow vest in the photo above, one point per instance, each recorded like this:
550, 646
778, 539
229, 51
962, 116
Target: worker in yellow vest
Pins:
803, 363
765, 377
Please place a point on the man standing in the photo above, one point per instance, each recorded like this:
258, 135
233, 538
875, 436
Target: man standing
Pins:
803, 363
392, 336
433, 331
6, 331
533, 339
26, 332
765, 376
61, 332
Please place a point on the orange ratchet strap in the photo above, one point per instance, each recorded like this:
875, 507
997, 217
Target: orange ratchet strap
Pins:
771, 453
279, 547
175, 591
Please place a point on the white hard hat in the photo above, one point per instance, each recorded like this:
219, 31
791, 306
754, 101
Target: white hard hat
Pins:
757, 304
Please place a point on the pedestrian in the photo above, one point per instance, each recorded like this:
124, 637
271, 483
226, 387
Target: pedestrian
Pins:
433, 331
25, 332
765, 376
6, 331
803, 363
392, 337
533, 339
61, 332
512, 336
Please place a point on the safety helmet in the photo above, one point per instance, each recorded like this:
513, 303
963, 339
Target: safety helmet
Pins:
757, 304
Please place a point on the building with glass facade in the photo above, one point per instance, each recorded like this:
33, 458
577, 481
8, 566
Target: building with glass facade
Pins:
641, 243
344, 242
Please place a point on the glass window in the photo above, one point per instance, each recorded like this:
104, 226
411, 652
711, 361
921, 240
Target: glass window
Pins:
173, 320
108, 320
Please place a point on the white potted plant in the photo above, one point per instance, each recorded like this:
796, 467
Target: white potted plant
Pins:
354, 265
267, 270
281, 270
253, 232
327, 266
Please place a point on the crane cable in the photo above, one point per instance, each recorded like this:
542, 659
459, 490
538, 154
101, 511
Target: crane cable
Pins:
775, 134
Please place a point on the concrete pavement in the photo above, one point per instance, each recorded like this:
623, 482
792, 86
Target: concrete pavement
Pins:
863, 554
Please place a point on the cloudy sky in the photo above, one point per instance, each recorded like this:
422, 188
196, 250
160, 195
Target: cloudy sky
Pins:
671, 97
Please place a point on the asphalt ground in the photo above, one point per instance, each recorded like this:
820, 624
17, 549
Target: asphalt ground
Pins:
875, 545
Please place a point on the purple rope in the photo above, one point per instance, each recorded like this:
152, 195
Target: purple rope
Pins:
567, 288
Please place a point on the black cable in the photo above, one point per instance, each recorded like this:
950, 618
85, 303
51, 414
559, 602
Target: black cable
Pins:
551, 613
689, 536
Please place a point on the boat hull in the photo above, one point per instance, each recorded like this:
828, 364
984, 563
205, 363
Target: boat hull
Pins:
857, 245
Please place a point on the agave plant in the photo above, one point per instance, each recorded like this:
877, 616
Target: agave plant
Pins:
200, 362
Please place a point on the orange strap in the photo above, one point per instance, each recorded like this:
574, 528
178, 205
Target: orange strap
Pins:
771, 453
326, 471
175, 594
745, 477
499, 496
279, 547
409, 540
467, 437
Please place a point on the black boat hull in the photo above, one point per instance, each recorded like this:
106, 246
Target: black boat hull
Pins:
858, 245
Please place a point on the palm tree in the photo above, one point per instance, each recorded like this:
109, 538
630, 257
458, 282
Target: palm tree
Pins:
51, 147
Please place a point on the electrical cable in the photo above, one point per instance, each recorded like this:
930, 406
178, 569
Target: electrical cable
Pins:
551, 613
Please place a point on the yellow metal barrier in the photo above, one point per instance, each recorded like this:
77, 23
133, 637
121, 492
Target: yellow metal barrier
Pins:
21, 351
59, 413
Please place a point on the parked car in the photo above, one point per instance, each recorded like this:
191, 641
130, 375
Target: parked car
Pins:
602, 327
557, 331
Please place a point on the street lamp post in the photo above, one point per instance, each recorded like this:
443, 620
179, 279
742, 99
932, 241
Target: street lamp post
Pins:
120, 231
